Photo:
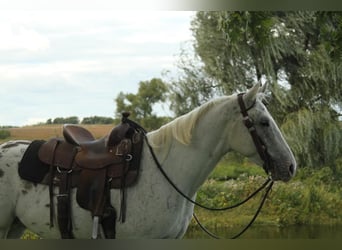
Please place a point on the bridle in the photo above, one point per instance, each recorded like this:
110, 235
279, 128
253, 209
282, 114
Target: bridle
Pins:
262, 151
260, 146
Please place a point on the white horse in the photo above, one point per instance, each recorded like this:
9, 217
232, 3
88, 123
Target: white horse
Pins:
188, 149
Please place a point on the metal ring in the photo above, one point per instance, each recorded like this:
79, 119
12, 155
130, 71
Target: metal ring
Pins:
128, 157
63, 172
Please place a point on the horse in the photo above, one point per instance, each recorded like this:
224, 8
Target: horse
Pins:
188, 149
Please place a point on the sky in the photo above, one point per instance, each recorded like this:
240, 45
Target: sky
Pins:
70, 62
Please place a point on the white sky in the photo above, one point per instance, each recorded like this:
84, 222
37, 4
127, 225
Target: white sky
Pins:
59, 63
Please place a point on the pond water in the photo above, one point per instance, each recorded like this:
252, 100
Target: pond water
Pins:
273, 232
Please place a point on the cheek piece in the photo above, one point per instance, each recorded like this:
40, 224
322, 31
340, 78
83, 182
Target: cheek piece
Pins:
260, 146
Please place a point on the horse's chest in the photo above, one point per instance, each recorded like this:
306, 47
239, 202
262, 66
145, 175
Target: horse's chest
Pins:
166, 218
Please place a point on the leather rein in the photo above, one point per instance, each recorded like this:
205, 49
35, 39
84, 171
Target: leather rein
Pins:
262, 151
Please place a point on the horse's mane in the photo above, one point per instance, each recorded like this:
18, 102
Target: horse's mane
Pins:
181, 128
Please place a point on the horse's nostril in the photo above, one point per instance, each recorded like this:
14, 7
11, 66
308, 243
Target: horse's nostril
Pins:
291, 169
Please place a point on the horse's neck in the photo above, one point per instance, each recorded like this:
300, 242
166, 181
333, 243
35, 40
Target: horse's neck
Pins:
190, 165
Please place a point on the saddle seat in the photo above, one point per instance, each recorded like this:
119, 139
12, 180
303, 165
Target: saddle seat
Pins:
77, 135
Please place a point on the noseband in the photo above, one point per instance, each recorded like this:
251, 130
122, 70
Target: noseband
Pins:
260, 146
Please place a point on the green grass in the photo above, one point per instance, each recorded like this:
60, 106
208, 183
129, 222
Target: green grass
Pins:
226, 170
312, 197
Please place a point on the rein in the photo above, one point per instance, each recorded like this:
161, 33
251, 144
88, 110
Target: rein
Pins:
262, 151
191, 200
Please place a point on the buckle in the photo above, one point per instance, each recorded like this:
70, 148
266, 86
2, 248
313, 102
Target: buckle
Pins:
248, 123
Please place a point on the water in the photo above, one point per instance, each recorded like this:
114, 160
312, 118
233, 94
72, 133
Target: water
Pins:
273, 232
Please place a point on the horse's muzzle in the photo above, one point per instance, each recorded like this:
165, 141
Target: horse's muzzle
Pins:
284, 172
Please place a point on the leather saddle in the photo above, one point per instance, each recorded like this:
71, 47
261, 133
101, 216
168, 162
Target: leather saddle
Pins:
93, 167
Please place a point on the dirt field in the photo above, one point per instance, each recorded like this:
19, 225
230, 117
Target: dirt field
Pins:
48, 131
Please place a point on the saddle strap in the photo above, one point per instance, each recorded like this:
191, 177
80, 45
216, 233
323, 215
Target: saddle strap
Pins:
64, 199
64, 206
52, 176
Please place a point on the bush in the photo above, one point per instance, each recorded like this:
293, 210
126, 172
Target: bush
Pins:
4, 134
313, 197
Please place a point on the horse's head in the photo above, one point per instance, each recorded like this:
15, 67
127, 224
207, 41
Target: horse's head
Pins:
257, 136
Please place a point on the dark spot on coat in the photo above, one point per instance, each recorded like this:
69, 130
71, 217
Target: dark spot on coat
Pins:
33, 223
0, 155
8, 165
24, 192
47, 205
2, 173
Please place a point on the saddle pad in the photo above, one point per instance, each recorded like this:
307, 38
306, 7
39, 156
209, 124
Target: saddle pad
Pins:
30, 167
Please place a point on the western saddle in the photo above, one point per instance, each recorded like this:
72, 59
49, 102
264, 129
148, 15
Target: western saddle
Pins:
93, 167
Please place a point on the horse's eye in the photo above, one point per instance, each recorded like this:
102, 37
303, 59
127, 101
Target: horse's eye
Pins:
264, 123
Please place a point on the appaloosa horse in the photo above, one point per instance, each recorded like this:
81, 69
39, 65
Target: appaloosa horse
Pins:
188, 149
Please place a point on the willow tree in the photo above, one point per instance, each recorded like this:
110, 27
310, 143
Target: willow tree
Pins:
297, 53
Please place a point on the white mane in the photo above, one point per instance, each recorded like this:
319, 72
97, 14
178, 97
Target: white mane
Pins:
181, 128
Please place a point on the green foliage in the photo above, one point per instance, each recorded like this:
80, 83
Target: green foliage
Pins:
297, 53
193, 87
28, 235
314, 137
228, 169
140, 105
97, 120
313, 197
62, 120
4, 134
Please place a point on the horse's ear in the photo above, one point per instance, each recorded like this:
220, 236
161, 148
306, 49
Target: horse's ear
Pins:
250, 95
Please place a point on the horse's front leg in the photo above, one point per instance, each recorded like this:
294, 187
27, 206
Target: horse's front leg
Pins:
5, 225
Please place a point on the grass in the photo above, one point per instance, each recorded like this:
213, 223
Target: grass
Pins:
313, 197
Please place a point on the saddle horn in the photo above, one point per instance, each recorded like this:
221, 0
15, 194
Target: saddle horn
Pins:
120, 132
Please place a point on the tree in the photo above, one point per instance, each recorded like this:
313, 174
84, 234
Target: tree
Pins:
140, 105
299, 55
193, 86
4, 133
97, 120
62, 120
